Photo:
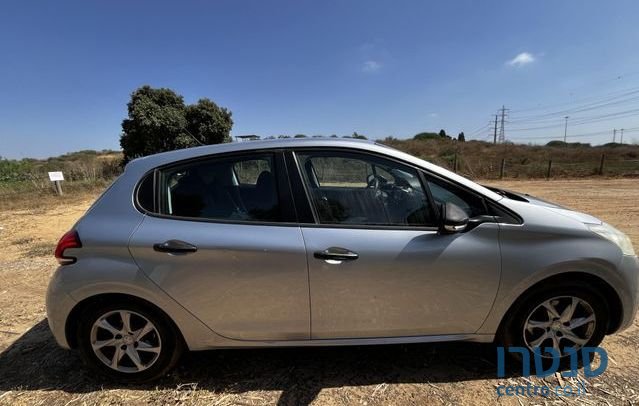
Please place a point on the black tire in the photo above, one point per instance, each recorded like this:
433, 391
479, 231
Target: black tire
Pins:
511, 332
171, 347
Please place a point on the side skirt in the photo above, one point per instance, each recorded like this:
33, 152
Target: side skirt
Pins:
476, 338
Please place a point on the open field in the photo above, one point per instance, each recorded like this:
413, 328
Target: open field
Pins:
33, 370
89, 170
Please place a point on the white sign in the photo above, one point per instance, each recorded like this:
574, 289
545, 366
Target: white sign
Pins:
53, 176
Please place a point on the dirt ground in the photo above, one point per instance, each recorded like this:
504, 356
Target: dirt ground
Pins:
33, 370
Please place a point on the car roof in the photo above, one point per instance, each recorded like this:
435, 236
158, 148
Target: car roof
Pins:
187, 153
142, 165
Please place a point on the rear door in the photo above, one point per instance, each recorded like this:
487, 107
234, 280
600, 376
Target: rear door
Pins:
221, 239
377, 265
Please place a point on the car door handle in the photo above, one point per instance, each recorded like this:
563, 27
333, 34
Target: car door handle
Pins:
175, 247
336, 254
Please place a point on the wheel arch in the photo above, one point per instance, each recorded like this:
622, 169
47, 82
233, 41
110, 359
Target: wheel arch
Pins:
73, 319
607, 292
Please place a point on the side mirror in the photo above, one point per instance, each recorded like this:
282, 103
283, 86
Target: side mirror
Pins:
453, 218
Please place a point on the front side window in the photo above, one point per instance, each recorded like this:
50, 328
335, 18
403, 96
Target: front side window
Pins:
443, 192
237, 188
359, 189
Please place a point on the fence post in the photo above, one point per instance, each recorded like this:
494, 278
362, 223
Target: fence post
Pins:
503, 168
548, 173
455, 163
58, 187
601, 164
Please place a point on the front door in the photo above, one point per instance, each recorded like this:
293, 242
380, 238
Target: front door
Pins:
223, 246
377, 265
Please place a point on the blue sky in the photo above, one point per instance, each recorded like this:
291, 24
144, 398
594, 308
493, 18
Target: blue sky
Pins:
317, 67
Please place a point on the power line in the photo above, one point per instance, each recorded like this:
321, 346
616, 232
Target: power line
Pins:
583, 120
588, 99
589, 110
479, 130
609, 101
548, 117
590, 134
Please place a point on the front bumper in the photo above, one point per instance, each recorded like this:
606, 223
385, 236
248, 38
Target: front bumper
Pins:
59, 305
629, 269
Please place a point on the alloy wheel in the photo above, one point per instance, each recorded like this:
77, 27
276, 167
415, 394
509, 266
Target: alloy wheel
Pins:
125, 341
561, 322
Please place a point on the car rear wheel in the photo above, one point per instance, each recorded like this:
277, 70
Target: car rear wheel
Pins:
128, 341
564, 317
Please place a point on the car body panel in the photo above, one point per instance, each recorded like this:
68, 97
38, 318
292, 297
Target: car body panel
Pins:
405, 282
547, 243
552, 243
247, 282
71, 284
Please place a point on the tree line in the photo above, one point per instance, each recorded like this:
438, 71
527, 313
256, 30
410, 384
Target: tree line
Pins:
159, 120
440, 135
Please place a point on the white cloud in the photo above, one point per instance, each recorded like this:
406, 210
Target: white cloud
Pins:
433, 115
521, 59
371, 66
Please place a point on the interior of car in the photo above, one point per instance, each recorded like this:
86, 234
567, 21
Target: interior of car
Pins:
244, 190
349, 190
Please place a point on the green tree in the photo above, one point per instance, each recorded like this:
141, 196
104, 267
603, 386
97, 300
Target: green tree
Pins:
461, 137
300, 135
442, 133
425, 136
358, 136
158, 120
208, 123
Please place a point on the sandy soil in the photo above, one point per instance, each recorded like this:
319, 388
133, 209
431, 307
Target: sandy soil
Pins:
33, 370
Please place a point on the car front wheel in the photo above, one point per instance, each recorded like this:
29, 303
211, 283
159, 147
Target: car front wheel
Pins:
557, 319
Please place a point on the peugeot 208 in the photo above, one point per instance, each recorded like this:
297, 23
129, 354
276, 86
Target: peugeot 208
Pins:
326, 242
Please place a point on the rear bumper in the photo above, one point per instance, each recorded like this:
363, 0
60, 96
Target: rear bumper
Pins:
629, 269
59, 305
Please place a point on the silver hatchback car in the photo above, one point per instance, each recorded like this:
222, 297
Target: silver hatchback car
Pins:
323, 242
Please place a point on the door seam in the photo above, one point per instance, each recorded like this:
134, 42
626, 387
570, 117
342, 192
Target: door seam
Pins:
308, 284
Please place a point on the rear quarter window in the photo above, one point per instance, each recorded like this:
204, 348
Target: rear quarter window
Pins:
146, 193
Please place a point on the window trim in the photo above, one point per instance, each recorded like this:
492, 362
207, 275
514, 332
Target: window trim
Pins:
290, 179
296, 172
486, 202
283, 189
136, 192
305, 212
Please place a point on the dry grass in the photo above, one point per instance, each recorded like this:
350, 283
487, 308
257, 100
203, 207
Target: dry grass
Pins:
482, 160
42, 199
33, 370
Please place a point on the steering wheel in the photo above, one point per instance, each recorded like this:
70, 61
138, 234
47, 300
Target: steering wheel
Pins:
403, 184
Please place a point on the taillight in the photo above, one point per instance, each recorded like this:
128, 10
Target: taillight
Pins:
70, 239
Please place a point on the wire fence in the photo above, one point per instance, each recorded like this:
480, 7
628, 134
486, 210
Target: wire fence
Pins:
36, 185
541, 169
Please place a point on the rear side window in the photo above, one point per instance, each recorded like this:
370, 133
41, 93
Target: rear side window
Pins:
248, 171
235, 188
360, 189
